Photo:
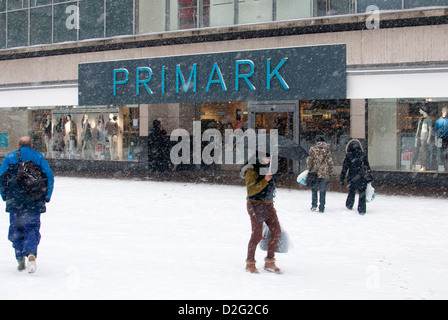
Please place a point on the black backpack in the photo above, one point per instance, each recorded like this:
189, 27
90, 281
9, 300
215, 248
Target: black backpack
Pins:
32, 179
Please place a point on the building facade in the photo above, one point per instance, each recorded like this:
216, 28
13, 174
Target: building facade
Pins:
395, 80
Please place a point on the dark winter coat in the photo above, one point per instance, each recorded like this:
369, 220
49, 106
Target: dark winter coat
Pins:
16, 198
158, 148
355, 164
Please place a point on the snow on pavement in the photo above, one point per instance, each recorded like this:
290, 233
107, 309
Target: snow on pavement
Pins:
118, 239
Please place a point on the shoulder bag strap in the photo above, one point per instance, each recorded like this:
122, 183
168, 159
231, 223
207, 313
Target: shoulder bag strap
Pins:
18, 156
322, 163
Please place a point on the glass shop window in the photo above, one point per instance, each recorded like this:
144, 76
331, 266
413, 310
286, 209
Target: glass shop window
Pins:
329, 119
94, 133
408, 134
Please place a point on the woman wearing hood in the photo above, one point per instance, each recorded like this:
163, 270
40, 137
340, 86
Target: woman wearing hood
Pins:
320, 161
357, 165
158, 148
260, 185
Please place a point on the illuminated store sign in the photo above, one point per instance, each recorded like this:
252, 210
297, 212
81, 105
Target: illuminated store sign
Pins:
296, 73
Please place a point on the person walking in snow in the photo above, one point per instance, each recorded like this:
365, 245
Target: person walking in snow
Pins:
260, 206
358, 168
25, 212
158, 148
320, 160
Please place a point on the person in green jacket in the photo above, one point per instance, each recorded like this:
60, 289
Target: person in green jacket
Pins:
260, 206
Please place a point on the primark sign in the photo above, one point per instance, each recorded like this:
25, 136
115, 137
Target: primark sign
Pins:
293, 73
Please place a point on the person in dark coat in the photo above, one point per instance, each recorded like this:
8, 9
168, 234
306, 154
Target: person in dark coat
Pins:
356, 165
25, 212
158, 148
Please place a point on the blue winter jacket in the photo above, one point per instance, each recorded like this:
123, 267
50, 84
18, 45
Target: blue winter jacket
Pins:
17, 200
441, 128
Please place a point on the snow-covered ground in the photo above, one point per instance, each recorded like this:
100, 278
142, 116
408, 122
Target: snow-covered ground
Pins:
116, 239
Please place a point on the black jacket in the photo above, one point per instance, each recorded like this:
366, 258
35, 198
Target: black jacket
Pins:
356, 164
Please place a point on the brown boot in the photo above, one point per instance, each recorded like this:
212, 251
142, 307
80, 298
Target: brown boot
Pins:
270, 266
251, 266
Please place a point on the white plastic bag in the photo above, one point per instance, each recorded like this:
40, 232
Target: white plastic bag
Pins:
370, 193
284, 244
302, 177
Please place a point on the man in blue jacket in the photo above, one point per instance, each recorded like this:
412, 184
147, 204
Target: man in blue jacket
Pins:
24, 230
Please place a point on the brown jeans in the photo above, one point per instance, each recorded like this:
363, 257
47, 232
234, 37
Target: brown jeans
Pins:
257, 230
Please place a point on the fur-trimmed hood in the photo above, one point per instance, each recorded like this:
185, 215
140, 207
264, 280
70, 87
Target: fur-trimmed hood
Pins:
322, 145
244, 169
354, 145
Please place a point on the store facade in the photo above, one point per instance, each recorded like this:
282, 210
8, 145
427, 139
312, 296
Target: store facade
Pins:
391, 75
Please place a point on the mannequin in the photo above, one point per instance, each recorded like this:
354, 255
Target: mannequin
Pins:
100, 128
113, 130
441, 133
423, 138
47, 134
58, 135
70, 133
87, 138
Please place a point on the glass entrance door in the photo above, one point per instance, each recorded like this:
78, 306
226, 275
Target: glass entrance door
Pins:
281, 116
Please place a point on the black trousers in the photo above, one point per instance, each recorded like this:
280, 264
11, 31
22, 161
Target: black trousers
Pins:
362, 203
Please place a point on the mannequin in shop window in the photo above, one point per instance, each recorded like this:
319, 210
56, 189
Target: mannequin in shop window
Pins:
58, 135
100, 127
47, 127
423, 139
441, 133
70, 133
87, 143
113, 131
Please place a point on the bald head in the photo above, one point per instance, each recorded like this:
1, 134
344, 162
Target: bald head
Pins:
25, 142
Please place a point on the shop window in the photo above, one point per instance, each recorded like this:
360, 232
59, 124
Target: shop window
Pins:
131, 133
222, 116
403, 135
94, 133
329, 119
